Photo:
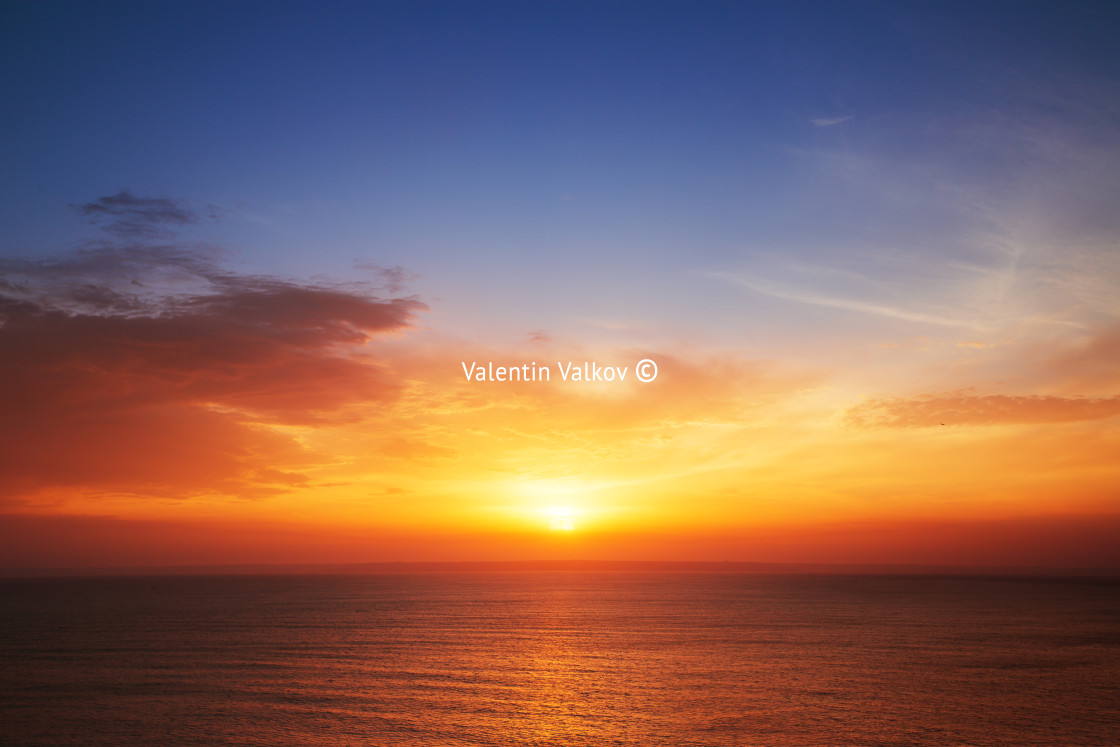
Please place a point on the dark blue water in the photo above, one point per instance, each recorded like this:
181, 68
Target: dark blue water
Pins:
553, 658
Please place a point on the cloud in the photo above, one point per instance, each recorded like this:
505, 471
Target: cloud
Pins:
113, 279
129, 216
1002, 216
394, 279
539, 337
170, 391
1093, 363
962, 408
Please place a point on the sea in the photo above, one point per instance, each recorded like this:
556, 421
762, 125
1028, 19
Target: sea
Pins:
560, 658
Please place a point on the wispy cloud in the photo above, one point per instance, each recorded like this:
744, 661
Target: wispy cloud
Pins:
1019, 243
539, 337
394, 279
829, 122
128, 216
809, 296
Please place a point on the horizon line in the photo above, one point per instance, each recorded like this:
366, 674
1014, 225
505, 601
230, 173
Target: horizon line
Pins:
538, 566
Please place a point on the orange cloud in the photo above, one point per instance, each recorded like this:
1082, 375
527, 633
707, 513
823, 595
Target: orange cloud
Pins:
966, 409
164, 394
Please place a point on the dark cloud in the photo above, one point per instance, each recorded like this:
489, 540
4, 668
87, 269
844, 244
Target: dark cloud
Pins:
963, 408
154, 371
129, 216
117, 279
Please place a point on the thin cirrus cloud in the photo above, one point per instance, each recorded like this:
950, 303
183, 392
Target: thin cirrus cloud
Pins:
815, 298
829, 121
109, 383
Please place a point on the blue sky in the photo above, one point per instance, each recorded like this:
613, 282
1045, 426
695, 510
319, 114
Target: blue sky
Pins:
685, 166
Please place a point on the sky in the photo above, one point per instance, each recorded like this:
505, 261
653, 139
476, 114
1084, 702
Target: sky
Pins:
252, 253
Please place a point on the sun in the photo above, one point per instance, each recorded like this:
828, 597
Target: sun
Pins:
559, 502
561, 518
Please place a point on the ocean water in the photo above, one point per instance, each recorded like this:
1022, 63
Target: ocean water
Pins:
560, 658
